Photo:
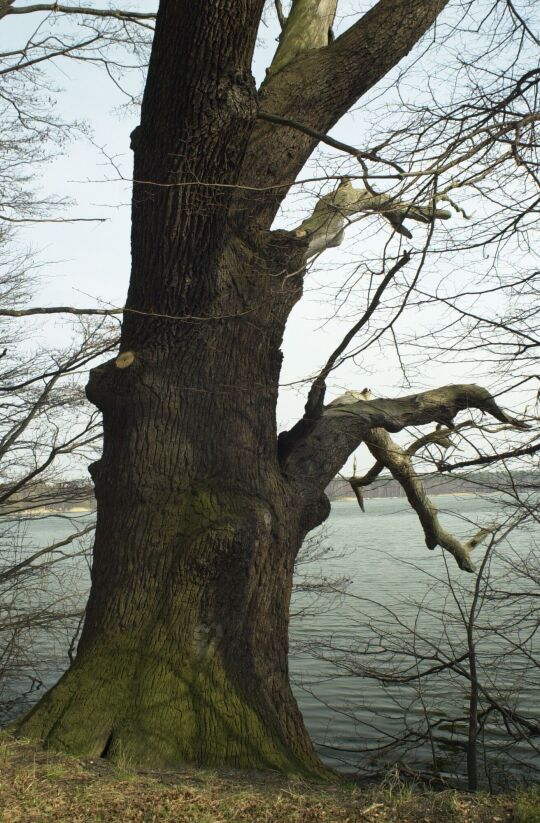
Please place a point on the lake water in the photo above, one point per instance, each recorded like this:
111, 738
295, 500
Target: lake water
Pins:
398, 615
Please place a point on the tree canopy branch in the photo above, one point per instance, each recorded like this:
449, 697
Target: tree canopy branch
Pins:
317, 457
486, 459
326, 225
440, 437
329, 141
35, 310
388, 453
306, 28
8, 8
319, 85
318, 388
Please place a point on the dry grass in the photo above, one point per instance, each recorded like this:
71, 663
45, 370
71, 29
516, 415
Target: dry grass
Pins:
38, 787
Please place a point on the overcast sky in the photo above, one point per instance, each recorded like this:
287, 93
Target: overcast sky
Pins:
88, 263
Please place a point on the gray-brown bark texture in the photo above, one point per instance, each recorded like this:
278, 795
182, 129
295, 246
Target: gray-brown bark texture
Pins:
183, 655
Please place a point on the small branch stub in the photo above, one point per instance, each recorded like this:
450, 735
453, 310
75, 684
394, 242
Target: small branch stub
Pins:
124, 360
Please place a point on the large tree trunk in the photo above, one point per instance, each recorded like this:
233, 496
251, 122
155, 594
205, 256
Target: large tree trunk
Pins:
184, 651
183, 655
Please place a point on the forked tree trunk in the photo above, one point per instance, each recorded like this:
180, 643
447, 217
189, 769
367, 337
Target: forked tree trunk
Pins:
183, 656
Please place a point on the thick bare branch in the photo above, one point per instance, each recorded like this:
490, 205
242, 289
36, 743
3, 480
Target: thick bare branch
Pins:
318, 456
30, 312
388, 453
319, 85
436, 405
325, 227
7, 8
281, 16
307, 27
439, 437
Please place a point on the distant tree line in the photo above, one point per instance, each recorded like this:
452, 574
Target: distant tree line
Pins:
435, 483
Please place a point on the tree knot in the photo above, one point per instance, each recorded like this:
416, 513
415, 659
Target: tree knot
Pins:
238, 91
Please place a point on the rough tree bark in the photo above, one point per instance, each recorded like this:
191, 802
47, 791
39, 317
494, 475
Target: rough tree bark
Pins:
183, 656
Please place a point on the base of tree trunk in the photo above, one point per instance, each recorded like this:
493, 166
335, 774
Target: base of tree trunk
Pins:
183, 654
154, 713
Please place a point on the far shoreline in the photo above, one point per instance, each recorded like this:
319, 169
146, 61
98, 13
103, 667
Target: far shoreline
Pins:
45, 512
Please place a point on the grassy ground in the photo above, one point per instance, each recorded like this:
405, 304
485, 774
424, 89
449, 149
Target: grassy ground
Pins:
38, 787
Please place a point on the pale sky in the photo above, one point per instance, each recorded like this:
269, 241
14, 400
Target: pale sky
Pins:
85, 263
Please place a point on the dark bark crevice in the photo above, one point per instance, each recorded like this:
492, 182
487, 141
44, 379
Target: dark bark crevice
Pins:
107, 747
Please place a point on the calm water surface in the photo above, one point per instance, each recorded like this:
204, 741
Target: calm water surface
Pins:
378, 553
399, 587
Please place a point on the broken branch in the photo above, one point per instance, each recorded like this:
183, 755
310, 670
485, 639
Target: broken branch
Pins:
326, 225
388, 453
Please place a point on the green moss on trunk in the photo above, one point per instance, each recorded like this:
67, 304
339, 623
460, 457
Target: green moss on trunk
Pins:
187, 662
